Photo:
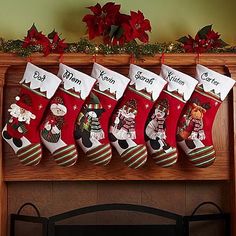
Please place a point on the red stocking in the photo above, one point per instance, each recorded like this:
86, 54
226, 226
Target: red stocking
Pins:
22, 130
161, 126
58, 127
128, 123
92, 123
194, 134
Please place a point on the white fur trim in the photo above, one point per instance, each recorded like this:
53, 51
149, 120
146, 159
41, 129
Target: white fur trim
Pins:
76, 80
146, 80
178, 81
110, 80
43, 80
214, 81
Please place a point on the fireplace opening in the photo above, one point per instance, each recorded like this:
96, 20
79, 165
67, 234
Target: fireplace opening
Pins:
120, 219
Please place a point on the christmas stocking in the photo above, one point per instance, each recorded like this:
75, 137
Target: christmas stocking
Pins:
128, 123
194, 134
58, 126
22, 130
91, 131
161, 126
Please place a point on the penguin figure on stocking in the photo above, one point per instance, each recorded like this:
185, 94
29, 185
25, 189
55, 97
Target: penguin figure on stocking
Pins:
88, 127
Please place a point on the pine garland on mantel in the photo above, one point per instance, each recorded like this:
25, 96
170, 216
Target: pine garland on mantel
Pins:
88, 47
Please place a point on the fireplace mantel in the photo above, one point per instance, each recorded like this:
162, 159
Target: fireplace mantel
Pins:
224, 129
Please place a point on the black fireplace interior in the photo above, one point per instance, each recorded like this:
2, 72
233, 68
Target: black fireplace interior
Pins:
116, 230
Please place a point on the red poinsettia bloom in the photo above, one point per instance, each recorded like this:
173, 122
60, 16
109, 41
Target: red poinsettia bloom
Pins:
102, 18
195, 45
117, 36
114, 27
200, 44
56, 45
212, 38
137, 27
35, 38
205, 40
47, 45
212, 35
188, 45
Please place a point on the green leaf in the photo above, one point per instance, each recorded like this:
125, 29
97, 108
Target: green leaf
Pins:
119, 33
203, 31
113, 30
223, 43
182, 39
52, 34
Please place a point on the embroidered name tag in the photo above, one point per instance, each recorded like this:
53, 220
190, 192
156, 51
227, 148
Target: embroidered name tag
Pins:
70, 76
172, 77
139, 76
206, 77
104, 77
38, 76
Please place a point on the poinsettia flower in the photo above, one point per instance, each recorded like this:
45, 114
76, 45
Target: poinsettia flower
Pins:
205, 40
116, 34
109, 13
200, 44
128, 32
35, 38
212, 35
92, 25
57, 45
47, 45
189, 44
114, 27
137, 27
195, 44
96, 10
212, 38
100, 21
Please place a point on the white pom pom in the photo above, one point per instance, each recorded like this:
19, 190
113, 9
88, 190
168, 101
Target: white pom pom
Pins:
17, 98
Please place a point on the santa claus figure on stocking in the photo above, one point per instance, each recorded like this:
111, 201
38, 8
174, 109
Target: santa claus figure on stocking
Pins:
19, 122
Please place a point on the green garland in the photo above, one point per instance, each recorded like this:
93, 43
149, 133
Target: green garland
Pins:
88, 47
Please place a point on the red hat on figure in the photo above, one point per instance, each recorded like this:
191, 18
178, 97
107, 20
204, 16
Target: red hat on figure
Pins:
163, 105
131, 106
58, 103
24, 101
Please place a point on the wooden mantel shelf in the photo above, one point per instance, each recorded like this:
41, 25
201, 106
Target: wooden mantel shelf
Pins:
174, 59
224, 128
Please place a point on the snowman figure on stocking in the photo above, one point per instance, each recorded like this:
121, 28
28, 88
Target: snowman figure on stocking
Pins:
123, 128
51, 132
156, 129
